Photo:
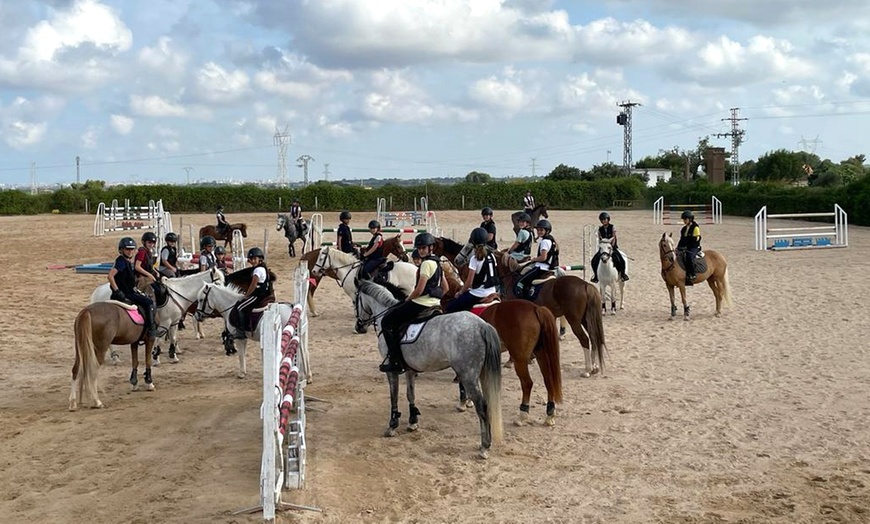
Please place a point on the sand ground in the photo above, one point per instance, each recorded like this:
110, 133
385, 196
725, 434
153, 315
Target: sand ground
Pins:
760, 416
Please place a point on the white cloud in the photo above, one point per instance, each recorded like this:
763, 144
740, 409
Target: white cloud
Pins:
395, 98
122, 125
763, 59
163, 57
506, 94
155, 106
90, 137
217, 85
20, 134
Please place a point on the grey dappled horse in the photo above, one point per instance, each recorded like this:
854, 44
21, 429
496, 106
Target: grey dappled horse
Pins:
292, 232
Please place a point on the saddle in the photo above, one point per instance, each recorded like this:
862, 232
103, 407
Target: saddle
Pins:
700, 262
410, 331
481, 306
381, 274
531, 293
254, 316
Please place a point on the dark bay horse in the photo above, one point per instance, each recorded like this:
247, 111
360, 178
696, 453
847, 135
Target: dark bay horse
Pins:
570, 297
540, 211
674, 275
293, 232
96, 327
212, 231
449, 249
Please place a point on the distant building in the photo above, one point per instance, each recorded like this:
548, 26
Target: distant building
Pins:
654, 174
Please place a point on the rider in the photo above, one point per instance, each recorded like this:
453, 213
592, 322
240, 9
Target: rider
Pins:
220, 259
431, 286
144, 261
607, 232
122, 282
528, 203
489, 226
690, 243
169, 256
207, 259
222, 224
259, 289
344, 236
372, 257
546, 260
296, 215
522, 246
482, 280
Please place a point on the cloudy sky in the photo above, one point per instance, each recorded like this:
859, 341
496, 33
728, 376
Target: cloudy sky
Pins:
161, 89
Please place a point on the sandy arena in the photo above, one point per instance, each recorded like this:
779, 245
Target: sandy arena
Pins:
760, 416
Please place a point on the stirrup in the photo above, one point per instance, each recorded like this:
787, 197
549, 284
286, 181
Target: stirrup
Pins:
594, 280
391, 367
239, 335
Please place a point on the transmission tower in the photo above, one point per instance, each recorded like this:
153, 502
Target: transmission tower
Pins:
809, 146
34, 187
624, 119
534, 166
187, 170
326, 172
304, 159
736, 135
282, 140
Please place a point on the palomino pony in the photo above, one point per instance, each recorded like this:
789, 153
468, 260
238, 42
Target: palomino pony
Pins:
569, 296
461, 341
537, 213
97, 326
715, 272
219, 299
212, 231
292, 232
608, 278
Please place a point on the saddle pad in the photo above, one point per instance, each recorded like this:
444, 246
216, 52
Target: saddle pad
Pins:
478, 309
136, 317
700, 263
539, 281
412, 332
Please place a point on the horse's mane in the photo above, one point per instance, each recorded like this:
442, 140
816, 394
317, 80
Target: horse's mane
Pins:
395, 290
451, 246
188, 276
244, 275
377, 292
341, 256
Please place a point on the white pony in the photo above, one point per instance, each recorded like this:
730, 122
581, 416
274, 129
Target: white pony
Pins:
182, 292
215, 298
608, 277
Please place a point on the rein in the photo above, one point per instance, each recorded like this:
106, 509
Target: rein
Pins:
320, 268
665, 256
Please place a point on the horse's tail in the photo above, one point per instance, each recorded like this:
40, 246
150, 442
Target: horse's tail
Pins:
727, 300
86, 356
595, 324
490, 381
548, 356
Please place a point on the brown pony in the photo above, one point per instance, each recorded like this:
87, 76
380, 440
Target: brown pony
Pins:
569, 296
449, 248
716, 275
212, 231
97, 326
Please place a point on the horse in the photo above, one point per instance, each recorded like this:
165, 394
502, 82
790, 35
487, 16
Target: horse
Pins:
715, 272
453, 250
97, 326
180, 296
346, 268
539, 211
608, 277
527, 330
212, 231
461, 341
569, 296
213, 298
292, 231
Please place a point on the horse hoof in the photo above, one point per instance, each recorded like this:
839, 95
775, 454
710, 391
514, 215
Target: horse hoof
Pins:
134, 387
469, 403
585, 374
241, 376
550, 420
483, 454
155, 362
413, 427
73, 405
522, 420
686, 319
390, 432
174, 360
509, 364
149, 387
461, 406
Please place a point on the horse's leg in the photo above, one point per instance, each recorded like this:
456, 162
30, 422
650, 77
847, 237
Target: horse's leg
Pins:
311, 308
673, 301
577, 329
621, 294
685, 301
393, 380
562, 330
240, 346
522, 369
172, 335
149, 383
413, 412
134, 375
474, 393
717, 293
197, 328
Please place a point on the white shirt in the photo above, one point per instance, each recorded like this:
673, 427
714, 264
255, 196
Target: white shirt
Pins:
545, 244
260, 273
474, 264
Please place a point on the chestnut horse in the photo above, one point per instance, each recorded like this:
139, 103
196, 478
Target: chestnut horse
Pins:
674, 275
212, 231
97, 326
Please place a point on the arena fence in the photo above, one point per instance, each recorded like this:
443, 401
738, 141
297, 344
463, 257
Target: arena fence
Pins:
669, 214
802, 236
317, 229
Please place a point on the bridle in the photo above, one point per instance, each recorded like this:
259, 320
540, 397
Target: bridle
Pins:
201, 313
669, 256
605, 255
371, 321
320, 267
170, 291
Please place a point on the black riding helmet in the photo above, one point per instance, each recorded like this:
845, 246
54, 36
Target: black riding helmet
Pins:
544, 224
344, 215
206, 241
256, 252
524, 217
486, 211
424, 239
220, 208
171, 237
126, 243
374, 224
479, 236
604, 216
148, 236
688, 214
220, 250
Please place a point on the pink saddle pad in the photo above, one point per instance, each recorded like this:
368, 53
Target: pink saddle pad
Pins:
136, 317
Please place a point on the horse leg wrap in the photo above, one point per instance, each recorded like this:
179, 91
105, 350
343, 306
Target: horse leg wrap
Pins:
172, 351
673, 310
463, 395
415, 414
155, 352
551, 409
524, 408
134, 379
394, 419
148, 379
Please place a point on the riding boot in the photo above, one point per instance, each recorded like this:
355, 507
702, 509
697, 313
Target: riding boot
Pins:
239, 333
595, 260
394, 363
150, 323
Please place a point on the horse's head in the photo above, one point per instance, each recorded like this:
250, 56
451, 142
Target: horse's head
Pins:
371, 301
463, 255
322, 262
544, 211
203, 308
393, 245
605, 248
666, 247
505, 264
282, 219
244, 229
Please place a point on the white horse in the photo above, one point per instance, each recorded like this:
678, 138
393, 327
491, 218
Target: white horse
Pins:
608, 277
181, 294
346, 267
218, 299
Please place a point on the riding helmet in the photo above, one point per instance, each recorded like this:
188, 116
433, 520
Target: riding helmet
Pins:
345, 215
486, 211
206, 241
220, 250
220, 208
256, 252
688, 214
604, 216
424, 239
524, 217
479, 236
171, 237
374, 224
126, 243
148, 236
544, 224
